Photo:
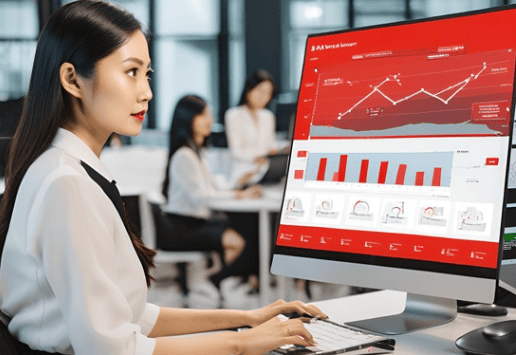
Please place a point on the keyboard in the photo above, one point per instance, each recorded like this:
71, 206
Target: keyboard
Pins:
333, 338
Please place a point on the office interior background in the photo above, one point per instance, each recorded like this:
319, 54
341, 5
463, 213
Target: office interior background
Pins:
208, 47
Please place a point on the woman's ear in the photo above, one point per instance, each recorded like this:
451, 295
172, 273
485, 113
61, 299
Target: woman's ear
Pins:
69, 80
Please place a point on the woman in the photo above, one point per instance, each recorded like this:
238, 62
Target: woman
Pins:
189, 186
250, 127
73, 280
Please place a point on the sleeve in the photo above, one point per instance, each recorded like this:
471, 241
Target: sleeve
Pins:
271, 130
235, 137
76, 230
186, 168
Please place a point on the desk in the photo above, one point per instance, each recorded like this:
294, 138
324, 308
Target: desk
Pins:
432, 341
269, 202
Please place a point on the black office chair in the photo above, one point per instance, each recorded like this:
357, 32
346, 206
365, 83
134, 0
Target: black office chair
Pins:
8, 344
179, 257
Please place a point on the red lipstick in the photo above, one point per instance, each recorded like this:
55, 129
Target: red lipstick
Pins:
139, 116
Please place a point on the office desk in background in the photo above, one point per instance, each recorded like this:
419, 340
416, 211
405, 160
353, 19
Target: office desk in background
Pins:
270, 202
432, 341
140, 170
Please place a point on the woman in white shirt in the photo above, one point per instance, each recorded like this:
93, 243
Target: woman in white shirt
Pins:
73, 277
189, 187
251, 127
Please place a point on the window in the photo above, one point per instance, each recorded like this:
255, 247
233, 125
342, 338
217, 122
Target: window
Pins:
302, 18
186, 54
19, 29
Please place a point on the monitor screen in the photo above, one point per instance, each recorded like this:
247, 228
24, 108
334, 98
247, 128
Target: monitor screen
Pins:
399, 160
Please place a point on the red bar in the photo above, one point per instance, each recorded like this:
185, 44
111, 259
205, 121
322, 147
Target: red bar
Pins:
302, 153
382, 175
436, 179
420, 178
322, 169
342, 168
298, 174
363, 170
335, 176
428, 248
400, 177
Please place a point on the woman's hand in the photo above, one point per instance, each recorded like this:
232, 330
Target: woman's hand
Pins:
262, 160
254, 191
261, 315
273, 334
244, 179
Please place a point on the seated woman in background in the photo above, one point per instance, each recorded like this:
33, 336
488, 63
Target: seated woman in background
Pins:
250, 127
73, 275
188, 188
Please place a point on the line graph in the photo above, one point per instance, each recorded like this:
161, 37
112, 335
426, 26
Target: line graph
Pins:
405, 96
376, 89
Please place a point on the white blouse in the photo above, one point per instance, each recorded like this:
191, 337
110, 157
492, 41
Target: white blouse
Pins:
249, 138
192, 187
70, 279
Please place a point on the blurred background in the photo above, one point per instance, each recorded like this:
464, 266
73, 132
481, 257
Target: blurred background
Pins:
209, 47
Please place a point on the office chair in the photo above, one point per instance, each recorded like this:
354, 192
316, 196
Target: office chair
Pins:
153, 222
7, 341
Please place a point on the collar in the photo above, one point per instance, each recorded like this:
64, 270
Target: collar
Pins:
76, 148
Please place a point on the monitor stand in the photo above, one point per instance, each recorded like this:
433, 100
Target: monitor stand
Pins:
420, 312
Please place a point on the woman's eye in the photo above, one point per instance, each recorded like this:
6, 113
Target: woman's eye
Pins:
149, 74
132, 72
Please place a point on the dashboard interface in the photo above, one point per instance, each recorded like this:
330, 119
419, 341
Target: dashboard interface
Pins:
401, 144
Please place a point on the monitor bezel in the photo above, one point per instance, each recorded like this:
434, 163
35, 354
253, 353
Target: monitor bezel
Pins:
385, 263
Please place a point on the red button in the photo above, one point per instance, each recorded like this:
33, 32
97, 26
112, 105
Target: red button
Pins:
492, 161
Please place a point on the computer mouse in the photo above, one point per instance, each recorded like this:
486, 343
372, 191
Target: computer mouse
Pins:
481, 309
500, 329
494, 339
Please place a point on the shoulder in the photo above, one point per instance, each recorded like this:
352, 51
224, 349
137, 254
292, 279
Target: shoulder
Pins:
55, 178
267, 113
184, 155
234, 112
185, 152
54, 165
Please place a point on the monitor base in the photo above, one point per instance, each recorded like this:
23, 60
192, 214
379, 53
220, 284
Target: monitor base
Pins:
420, 312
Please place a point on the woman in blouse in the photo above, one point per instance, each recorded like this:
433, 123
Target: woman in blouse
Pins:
250, 127
73, 277
189, 187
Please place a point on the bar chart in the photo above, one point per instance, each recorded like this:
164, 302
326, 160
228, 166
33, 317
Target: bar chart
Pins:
409, 169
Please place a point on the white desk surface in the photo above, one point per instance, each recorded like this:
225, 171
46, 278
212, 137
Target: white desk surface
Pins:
434, 341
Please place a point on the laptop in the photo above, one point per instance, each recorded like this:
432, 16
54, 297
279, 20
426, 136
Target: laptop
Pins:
271, 172
277, 168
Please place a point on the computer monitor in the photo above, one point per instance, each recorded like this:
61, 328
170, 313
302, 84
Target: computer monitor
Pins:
399, 162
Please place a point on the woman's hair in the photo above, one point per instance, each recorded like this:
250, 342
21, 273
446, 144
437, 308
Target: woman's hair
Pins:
181, 131
253, 81
81, 33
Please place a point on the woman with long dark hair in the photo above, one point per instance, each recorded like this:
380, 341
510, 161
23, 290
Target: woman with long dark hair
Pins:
73, 277
251, 127
189, 187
